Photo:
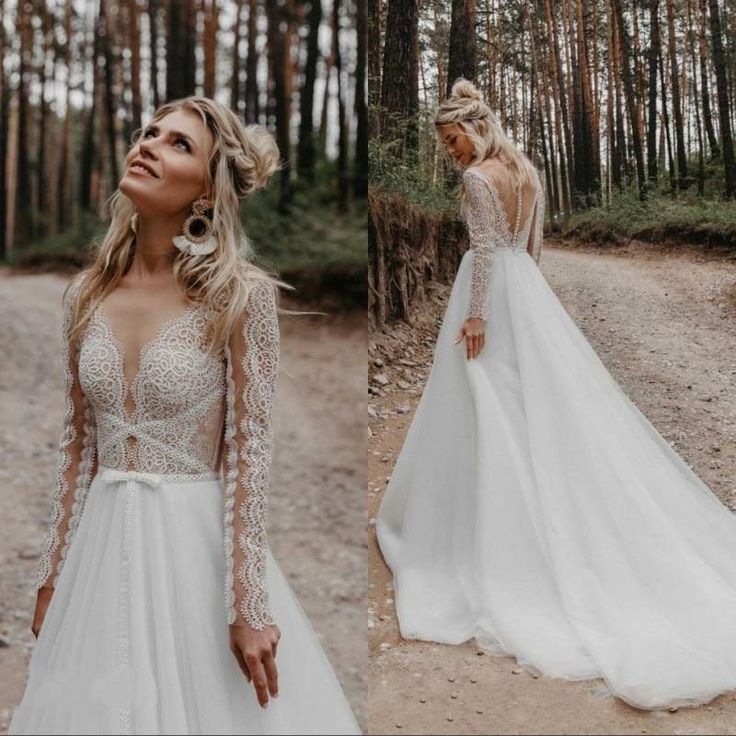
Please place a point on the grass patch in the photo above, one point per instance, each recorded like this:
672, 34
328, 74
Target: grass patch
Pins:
687, 219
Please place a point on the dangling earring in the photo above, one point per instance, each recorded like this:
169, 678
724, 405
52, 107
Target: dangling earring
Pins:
134, 223
197, 238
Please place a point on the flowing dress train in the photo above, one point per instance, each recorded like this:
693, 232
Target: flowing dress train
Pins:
534, 508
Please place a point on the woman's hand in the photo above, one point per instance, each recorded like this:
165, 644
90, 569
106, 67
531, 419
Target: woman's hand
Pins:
474, 332
43, 598
255, 652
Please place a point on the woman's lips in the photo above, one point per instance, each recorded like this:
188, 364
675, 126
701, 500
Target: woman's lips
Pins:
142, 170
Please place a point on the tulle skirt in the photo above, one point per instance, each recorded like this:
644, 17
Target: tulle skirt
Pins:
534, 508
135, 640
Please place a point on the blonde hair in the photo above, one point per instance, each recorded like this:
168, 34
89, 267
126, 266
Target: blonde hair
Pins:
242, 160
465, 108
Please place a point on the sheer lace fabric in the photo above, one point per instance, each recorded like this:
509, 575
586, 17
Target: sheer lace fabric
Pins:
488, 229
188, 405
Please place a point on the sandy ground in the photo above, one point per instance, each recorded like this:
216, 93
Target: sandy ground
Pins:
663, 323
317, 513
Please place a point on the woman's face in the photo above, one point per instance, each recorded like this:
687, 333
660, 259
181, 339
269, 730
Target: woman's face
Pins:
166, 170
457, 143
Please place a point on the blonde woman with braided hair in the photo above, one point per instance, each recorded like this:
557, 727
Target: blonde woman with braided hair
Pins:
533, 508
160, 608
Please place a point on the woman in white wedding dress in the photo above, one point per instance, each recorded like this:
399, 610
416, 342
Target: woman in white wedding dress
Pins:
533, 507
171, 349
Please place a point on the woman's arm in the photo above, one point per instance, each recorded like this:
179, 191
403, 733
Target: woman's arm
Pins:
482, 218
534, 246
75, 462
252, 357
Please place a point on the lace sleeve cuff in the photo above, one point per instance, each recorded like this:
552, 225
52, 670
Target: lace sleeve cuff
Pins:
537, 235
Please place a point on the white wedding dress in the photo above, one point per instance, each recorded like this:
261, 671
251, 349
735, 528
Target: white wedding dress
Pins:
534, 508
147, 537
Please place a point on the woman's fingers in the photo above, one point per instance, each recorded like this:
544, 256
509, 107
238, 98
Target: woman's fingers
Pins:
272, 675
260, 681
241, 663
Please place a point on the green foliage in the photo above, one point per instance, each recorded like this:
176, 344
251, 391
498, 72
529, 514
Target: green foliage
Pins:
396, 168
687, 218
69, 250
390, 174
314, 233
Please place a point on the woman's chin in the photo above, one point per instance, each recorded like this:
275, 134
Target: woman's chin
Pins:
132, 189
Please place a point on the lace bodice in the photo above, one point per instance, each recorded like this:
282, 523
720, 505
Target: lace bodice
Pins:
488, 229
194, 415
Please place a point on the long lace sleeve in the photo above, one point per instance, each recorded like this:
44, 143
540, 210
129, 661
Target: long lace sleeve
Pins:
481, 217
75, 460
534, 246
252, 356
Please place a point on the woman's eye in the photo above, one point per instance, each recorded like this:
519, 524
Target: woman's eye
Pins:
145, 135
181, 140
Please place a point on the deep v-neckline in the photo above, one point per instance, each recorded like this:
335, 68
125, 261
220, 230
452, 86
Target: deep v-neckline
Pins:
131, 389
499, 204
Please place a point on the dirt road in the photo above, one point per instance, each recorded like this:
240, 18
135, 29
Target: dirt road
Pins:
317, 513
664, 325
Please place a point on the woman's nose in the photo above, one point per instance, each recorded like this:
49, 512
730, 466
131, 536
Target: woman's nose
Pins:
146, 145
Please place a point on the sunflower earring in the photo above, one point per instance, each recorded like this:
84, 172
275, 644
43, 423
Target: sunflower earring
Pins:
197, 238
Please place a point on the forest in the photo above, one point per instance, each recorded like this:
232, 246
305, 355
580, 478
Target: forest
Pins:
78, 78
626, 106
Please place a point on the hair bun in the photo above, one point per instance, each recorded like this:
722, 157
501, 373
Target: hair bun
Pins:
465, 89
259, 160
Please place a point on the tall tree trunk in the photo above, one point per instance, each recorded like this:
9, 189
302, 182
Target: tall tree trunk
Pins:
44, 221
729, 163
715, 148
180, 49
279, 38
209, 44
666, 122
306, 146
23, 222
567, 165
65, 200
109, 94
676, 109
589, 144
654, 53
155, 70
361, 112
698, 126
343, 188
630, 102
89, 150
620, 163
462, 42
252, 104
235, 102
134, 13
374, 68
399, 79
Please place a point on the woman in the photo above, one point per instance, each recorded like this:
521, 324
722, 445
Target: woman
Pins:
171, 346
533, 507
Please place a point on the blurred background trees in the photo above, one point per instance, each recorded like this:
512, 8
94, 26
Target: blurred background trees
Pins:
78, 77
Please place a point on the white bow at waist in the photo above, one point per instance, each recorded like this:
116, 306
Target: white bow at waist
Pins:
112, 475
